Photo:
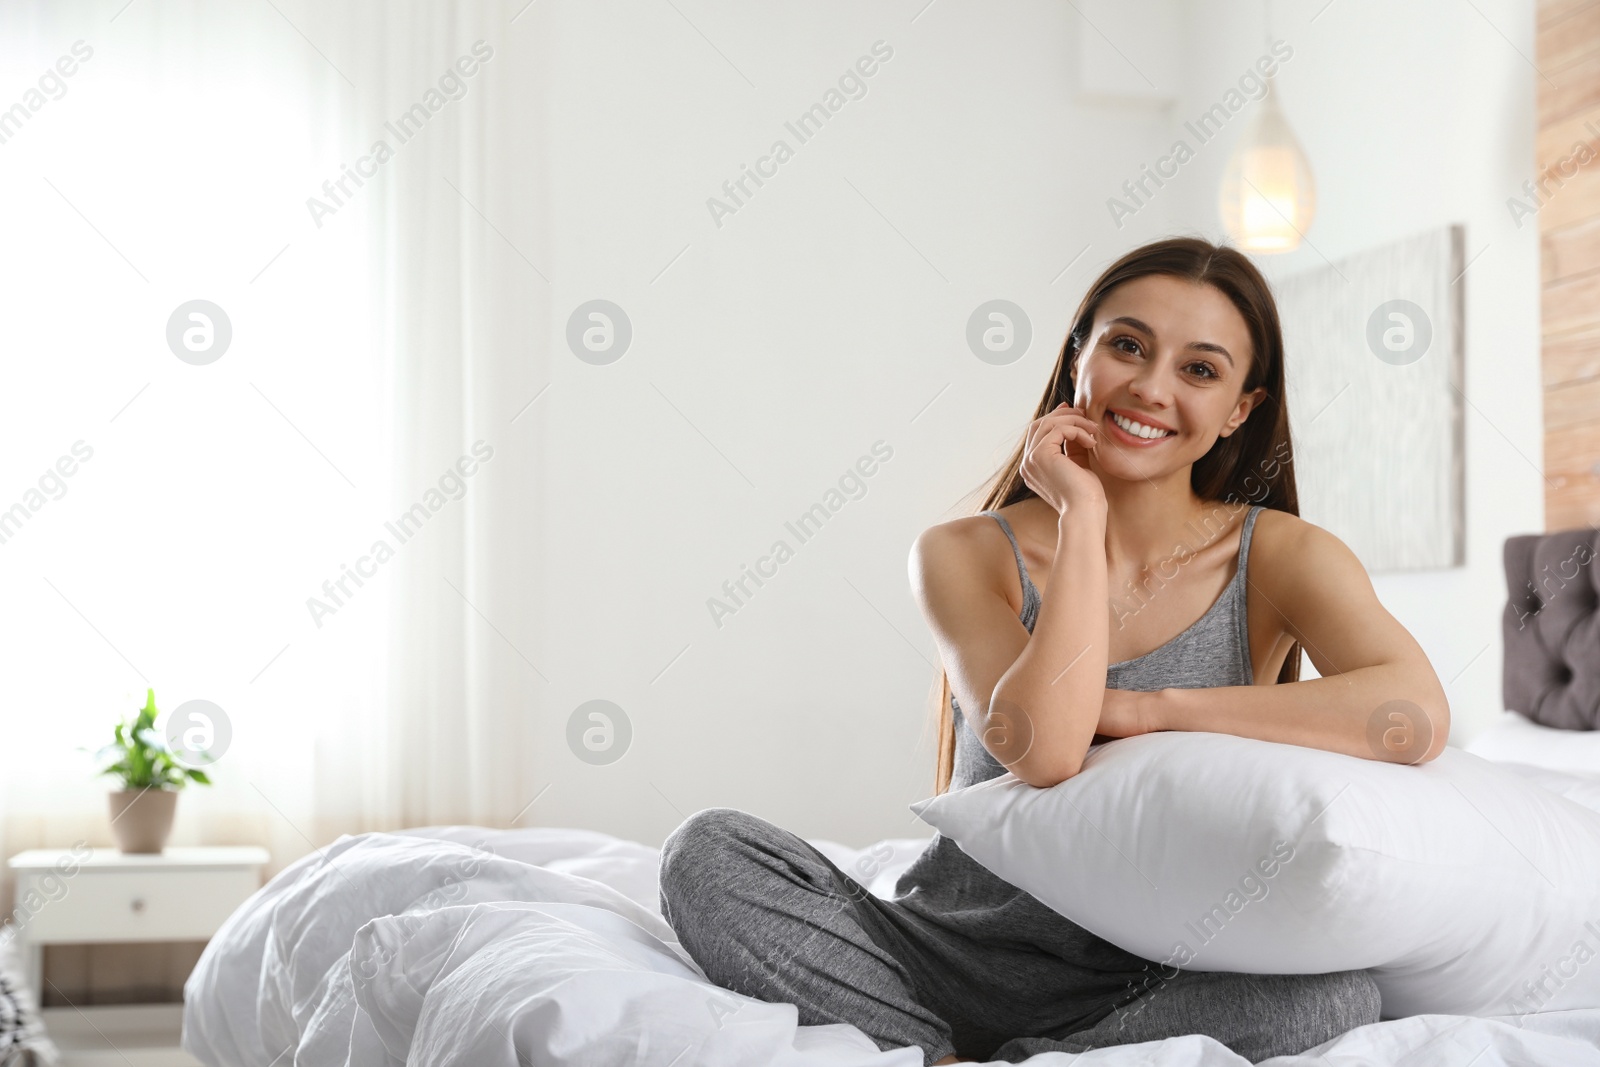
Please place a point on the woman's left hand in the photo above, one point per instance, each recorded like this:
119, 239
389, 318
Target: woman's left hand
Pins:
1126, 712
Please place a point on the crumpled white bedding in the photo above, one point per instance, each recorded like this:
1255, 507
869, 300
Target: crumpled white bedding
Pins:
513, 948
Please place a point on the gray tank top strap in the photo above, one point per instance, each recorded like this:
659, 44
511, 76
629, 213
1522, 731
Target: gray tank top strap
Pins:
1030, 592
1240, 609
1245, 530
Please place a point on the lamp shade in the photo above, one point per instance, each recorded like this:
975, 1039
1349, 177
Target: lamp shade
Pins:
1268, 196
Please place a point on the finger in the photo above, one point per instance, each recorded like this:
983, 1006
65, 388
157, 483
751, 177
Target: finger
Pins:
1047, 444
1040, 428
1047, 432
1088, 434
1072, 415
1062, 425
1055, 440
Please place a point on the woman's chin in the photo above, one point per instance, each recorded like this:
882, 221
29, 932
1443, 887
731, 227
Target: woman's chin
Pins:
1131, 465
1125, 459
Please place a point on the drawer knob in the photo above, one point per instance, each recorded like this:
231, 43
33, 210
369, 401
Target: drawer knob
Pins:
137, 905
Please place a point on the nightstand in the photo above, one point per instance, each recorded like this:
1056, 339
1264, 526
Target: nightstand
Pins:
182, 894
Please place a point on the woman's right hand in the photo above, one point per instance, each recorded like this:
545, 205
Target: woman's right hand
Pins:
1055, 460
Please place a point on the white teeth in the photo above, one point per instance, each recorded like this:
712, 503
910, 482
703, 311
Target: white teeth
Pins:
1139, 429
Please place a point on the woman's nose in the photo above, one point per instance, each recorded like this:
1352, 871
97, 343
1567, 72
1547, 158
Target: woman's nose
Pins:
1150, 385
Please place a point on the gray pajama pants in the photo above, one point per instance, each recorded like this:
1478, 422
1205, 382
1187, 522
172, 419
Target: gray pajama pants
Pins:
765, 914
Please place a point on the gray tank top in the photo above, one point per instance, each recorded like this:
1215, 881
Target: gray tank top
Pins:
948, 887
1214, 651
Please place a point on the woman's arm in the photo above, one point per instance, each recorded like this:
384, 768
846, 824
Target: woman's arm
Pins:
1047, 703
958, 573
1378, 697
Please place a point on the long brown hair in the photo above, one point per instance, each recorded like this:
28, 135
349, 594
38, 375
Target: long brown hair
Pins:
1254, 463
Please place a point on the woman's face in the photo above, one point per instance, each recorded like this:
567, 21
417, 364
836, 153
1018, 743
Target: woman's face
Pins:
1170, 354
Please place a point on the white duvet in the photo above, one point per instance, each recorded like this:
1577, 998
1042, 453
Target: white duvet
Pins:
546, 948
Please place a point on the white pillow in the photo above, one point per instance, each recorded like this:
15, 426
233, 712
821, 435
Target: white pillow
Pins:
1577, 787
1515, 738
1459, 883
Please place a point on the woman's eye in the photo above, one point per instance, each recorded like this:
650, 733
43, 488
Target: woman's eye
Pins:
1206, 369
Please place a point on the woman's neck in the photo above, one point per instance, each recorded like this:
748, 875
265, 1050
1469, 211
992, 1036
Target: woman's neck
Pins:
1147, 521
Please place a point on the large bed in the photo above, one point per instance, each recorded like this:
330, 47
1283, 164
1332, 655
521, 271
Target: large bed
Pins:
495, 948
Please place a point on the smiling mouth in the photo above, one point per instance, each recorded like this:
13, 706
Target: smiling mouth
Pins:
1132, 440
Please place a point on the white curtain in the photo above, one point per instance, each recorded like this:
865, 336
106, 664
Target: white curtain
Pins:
386, 343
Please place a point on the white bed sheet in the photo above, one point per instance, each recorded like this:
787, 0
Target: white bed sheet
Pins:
484, 948
1514, 738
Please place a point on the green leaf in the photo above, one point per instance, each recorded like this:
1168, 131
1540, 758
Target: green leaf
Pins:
119, 767
139, 763
141, 756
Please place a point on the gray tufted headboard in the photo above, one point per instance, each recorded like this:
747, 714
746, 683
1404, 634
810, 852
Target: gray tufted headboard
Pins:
1552, 628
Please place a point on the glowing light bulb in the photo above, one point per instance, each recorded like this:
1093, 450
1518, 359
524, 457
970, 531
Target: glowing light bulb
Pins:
1268, 196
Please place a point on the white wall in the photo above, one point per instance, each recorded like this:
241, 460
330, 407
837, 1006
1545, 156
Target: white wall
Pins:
827, 314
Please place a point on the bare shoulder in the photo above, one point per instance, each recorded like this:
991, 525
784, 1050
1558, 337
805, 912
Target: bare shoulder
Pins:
1281, 540
1292, 560
959, 585
1273, 529
969, 553
956, 542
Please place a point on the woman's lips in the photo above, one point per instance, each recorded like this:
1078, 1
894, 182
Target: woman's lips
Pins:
1128, 439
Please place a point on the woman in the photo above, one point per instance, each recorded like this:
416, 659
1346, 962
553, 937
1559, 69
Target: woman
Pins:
1158, 464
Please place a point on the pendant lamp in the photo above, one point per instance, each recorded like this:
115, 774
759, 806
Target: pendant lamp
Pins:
1268, 197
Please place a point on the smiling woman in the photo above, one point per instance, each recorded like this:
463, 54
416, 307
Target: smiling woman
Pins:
1164, 411
1161, 433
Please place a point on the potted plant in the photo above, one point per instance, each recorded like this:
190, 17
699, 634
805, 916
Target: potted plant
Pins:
142, 810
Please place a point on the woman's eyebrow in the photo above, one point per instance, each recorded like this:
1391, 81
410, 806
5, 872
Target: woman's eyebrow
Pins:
1204, 346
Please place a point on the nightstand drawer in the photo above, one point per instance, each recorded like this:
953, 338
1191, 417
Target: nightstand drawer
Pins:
109, 905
